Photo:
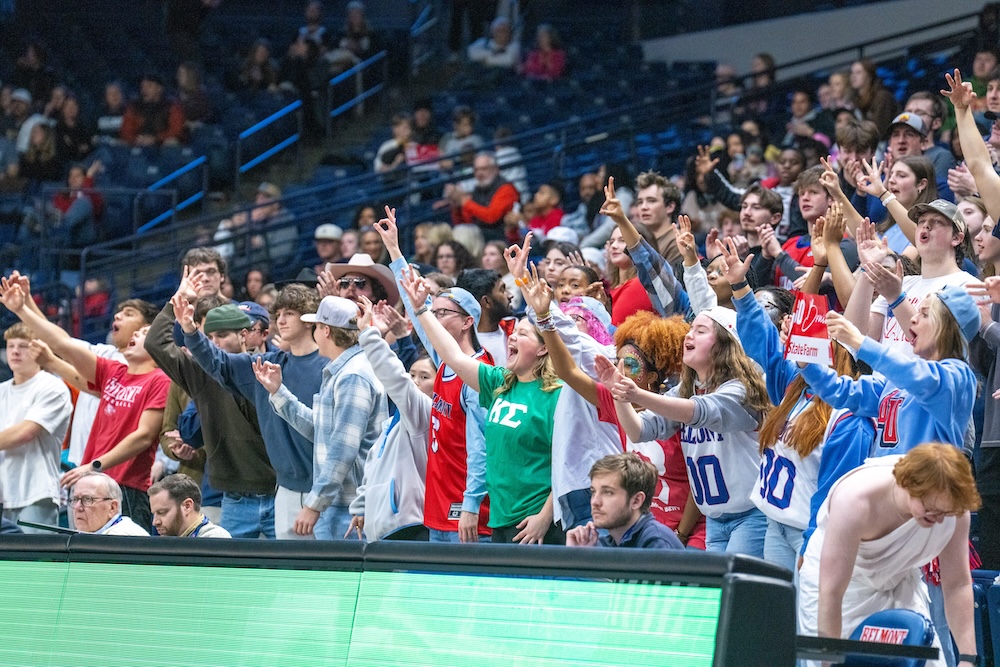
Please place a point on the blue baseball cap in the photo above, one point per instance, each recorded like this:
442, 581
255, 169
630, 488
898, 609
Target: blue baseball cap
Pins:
963, 308
464, 300
256, 312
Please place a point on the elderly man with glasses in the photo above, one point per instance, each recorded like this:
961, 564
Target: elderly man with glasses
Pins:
96, 506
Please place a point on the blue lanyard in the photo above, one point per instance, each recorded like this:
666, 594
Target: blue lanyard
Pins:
204, 522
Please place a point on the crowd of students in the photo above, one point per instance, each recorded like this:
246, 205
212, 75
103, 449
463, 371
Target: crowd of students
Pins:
642, 399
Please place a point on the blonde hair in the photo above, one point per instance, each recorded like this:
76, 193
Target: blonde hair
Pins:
543, 370
18, 330
471, 237
951, 344
730, 362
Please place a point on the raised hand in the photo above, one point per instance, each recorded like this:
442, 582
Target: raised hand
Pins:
191, 283
685, 240
23, 281
326, 284
537, 292
387, 229
11, 295
961, 182
829, 179
841, 329
713, 246
576, 259
40, 352
517, 257
959, 92
988, 289
184, 313
887, 283
612, 205
769, 245
607, 372
613, 377
366, 311
268, 374
871, 180
416, 287
733, 268
852, 171
834, 226
704, 163
397, 325
818, 246
870, 247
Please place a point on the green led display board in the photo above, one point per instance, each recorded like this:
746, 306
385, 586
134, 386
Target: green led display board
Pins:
414, 619
85, 614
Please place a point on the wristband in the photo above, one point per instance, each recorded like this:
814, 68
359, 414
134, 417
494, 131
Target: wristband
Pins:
740, 285
899, 300
888, 200
822, 266
420, 311
968, 657
95, 465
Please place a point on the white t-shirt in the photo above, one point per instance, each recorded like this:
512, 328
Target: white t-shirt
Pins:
495, 343
916, 288
86, 405
30, 472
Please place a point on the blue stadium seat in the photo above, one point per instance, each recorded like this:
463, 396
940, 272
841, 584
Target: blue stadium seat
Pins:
993, 608
916, 629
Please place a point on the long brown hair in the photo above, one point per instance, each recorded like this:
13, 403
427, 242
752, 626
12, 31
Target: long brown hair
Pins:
730, 363
806, 431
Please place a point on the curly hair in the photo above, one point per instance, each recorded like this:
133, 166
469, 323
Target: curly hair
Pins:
295, 297
730, 362
660, 339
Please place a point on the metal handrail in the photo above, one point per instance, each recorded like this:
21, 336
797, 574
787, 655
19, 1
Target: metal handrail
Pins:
295, 138
576, 134
356, 71
178, 206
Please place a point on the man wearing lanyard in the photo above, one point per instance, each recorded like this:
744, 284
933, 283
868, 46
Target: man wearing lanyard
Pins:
96, 505
176, 505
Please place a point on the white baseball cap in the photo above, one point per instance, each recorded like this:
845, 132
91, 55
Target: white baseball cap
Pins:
335, 311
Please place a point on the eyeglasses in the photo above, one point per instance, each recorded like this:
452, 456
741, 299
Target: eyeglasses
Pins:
258, 330
86, 501
359, 283
442, 313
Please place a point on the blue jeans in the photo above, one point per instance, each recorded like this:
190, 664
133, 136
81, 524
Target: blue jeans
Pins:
941, 623
248, 515
740, 533
782, 544
452, 537
333, 523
